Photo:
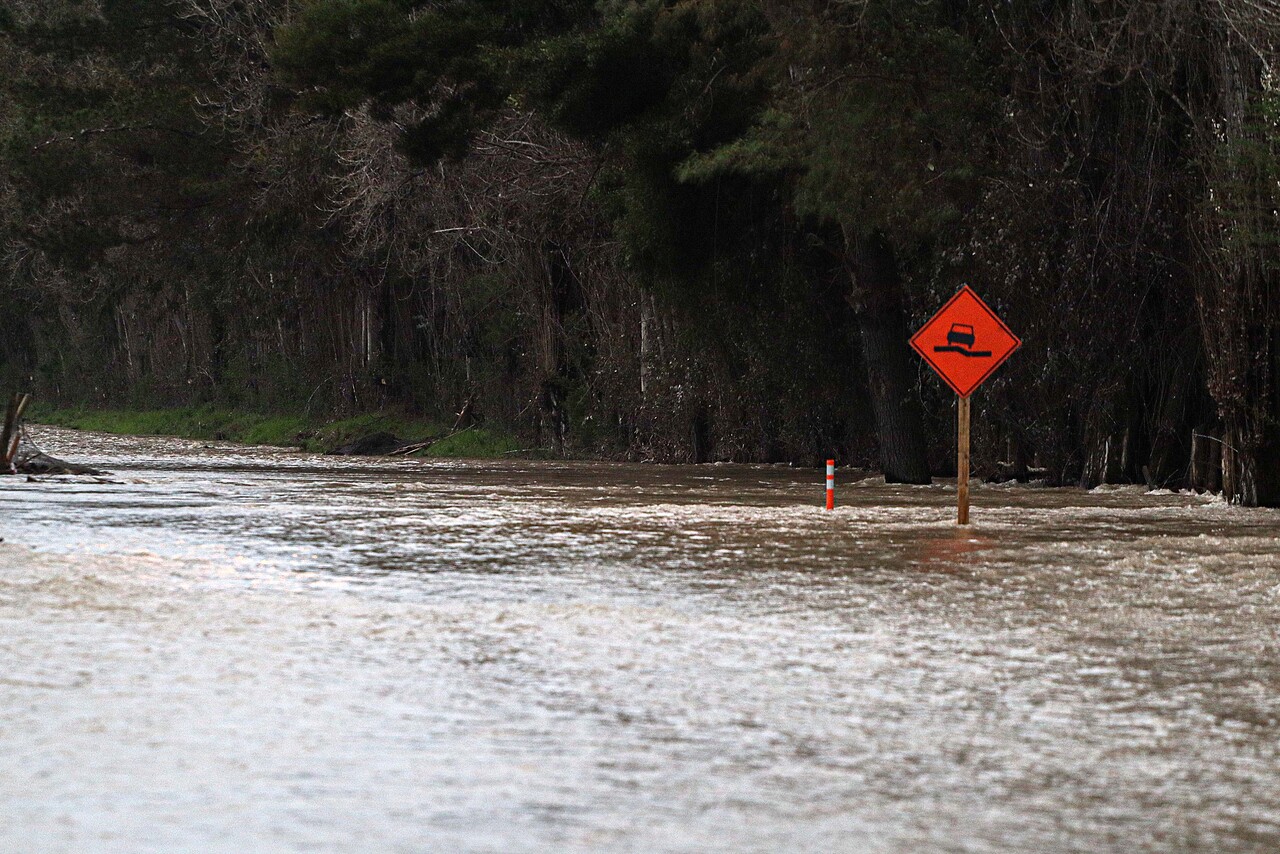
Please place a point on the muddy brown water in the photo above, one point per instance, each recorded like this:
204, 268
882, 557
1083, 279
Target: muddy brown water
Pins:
246, 649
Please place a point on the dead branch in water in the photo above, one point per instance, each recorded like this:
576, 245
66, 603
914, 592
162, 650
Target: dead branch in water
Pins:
19, 455
12, 432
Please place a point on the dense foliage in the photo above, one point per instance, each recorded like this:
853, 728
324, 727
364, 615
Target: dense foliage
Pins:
672, 229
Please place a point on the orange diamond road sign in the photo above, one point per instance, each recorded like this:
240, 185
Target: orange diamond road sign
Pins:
965, 342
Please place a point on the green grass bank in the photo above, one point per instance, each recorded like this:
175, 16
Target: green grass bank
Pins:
293, 431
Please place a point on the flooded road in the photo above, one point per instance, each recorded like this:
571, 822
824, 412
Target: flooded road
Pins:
239, 649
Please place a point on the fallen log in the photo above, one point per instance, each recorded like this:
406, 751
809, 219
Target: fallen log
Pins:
32, 460
405, 450
19, 455
385, 445
373, 445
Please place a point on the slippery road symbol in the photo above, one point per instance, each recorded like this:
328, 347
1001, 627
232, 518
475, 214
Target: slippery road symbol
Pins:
949, 342
960, 339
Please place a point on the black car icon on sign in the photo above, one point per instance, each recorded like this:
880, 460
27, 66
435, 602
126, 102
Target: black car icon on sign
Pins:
960, 339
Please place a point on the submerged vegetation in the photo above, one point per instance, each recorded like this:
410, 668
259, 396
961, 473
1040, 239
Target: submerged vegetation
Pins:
665, 229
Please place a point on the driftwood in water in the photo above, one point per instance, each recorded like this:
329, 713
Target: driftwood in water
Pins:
372, 445
414, 447
12, 432
19, 455
387, 445
32, 460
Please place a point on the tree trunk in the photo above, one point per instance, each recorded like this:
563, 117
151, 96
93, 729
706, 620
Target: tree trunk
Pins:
1169, 456
1205, 473
1261, 474
1019, 465
1266, 483
877, 299
1251, 474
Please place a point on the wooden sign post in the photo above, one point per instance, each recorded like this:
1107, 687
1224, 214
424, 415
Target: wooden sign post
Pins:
962, 464
964, 342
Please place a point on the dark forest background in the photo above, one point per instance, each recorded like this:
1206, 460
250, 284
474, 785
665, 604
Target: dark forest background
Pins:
676, 229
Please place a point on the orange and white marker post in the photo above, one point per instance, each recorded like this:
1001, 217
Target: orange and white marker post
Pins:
831, 484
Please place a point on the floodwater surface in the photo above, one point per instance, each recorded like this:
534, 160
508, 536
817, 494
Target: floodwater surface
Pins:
245, 649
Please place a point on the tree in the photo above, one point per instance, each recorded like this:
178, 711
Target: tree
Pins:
676, 92
879, 112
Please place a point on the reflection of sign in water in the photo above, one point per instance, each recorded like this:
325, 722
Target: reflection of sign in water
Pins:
965, 342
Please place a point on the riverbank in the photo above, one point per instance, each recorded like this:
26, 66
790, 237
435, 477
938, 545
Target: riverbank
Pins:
307, 433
